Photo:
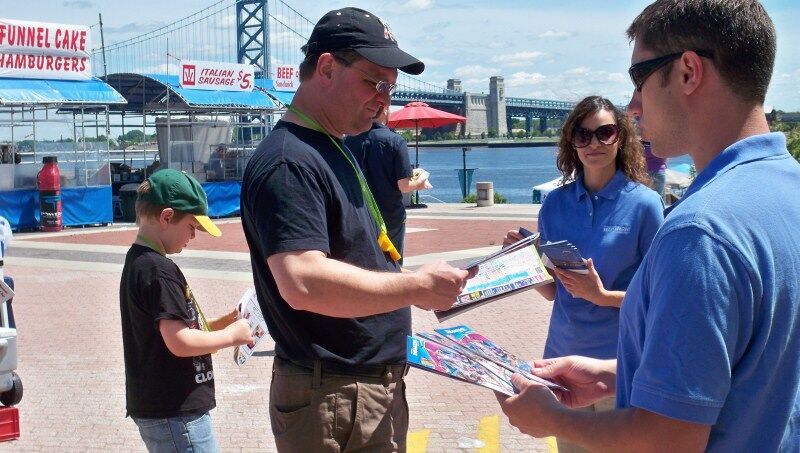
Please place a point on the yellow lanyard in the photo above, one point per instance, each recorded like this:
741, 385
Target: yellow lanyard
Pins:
200, 316
383, 239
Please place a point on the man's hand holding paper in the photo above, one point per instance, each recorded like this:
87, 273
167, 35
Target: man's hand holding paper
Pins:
419, 178
445, 282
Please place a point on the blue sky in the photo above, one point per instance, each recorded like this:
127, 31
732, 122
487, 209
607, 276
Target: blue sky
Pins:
554, 50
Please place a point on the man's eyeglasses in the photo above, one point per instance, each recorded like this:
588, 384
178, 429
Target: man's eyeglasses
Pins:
640, 71
381, 86
607, 134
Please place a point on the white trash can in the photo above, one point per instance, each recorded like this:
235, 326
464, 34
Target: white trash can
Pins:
485, 194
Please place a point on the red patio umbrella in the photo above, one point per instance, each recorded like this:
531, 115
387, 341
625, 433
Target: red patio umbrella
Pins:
419, 114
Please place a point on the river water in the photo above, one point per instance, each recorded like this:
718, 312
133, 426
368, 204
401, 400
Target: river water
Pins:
513, 171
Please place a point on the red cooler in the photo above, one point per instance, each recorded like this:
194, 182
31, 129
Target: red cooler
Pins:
49, 194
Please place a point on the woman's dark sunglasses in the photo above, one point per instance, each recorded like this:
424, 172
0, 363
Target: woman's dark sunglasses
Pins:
607, 134
643, 69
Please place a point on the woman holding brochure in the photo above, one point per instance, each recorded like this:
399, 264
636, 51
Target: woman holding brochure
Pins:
610, 215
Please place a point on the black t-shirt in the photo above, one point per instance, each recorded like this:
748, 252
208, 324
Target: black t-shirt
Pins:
300, 193
383, 157
157, 383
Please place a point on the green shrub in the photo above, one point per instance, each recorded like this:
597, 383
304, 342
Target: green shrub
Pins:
472, 198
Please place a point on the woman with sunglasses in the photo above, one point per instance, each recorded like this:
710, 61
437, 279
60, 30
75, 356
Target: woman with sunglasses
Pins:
610, 215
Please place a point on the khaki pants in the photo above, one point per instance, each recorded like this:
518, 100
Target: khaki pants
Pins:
605, 404
336, 413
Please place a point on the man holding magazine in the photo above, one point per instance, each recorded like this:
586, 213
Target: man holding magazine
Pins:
709, 340
325, 272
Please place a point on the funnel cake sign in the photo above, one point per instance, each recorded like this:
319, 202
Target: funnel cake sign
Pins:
39, 50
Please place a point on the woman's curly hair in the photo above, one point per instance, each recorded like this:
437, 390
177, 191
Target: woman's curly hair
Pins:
630, 157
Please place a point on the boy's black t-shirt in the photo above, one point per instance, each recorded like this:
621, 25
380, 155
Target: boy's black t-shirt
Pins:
159, 384
300, 193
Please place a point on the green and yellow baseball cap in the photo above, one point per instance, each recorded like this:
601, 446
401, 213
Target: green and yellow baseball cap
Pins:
181, 192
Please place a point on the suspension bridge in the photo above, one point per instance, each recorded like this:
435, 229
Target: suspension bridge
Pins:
270, 33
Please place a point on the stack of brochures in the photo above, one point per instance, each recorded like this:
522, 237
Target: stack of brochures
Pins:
512, 269
461, 353
563, 255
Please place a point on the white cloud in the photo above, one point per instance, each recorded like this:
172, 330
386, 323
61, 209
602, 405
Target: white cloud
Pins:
413, 6
518, 59
498, 45
78, 4
554, 34
430, 62
583, 70
525, 79
476, 71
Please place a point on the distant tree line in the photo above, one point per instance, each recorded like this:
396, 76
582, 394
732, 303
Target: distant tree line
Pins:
792, 132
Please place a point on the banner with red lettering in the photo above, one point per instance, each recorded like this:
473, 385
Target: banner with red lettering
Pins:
287, 78
211, 75
38, 50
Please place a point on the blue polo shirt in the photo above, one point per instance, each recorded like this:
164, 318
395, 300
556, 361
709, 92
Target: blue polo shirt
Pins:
614, 227
710, 326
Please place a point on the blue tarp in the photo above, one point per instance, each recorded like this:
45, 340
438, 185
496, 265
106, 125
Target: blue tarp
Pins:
285, 97
223, 198
683, 168
148, 90
38, 91
79, 206
215, 98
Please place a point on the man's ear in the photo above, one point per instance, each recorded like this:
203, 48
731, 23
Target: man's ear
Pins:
692, 72
325, 68
165, 218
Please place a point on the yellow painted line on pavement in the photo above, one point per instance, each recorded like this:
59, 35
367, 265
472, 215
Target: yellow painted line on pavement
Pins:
489, 434
417, 442
552, 445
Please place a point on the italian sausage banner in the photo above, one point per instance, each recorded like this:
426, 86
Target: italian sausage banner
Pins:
212, 75
38, 50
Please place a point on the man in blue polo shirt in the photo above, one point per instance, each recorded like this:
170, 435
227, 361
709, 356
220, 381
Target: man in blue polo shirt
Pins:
709, 340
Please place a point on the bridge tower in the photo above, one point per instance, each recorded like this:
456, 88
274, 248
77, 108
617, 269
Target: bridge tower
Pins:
496, 106
252, 47
252, 35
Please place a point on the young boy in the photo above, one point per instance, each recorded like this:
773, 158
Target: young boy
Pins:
169, 380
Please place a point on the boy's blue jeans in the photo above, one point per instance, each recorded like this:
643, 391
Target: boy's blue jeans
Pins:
188, 433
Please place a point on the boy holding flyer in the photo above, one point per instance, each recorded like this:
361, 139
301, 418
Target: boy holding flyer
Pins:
167, 341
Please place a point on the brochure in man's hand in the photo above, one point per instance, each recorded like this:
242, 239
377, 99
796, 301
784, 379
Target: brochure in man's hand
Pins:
251, 311
515, 268
461, 353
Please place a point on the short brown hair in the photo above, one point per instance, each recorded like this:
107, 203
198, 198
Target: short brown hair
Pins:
739, 33
309, 63
145, 209
630, 157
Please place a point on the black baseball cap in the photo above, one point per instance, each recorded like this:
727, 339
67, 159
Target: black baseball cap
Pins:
365, 34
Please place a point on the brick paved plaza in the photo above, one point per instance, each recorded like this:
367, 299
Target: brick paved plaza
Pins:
70, 347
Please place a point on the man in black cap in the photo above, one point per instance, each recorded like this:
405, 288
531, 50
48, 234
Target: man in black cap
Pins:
325, 272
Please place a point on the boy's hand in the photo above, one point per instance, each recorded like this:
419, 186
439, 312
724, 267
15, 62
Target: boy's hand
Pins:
239, 332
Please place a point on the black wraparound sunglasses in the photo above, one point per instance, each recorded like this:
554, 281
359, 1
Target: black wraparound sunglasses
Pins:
640, 71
